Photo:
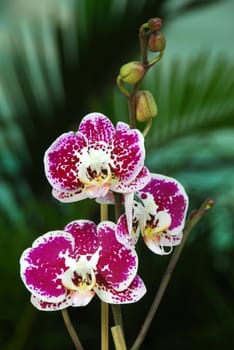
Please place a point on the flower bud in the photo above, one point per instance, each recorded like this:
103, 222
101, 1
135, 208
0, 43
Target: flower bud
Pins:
146, 107
155, 24
132, 72
157, 42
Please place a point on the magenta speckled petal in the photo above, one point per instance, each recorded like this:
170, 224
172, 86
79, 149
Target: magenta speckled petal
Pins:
162, 244
122, 234
140, 181
62, 160
43, 265
132, 294
117, 264
128, 153
170, 196
84, 233
68, 197
97, 127
46, 306
168, 240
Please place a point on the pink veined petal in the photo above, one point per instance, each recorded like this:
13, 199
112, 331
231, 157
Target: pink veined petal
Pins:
68, 197
45, 306
43, 265
132, 294
117, 264
84, 233
170, 196
97, 127
62, 161
128, 153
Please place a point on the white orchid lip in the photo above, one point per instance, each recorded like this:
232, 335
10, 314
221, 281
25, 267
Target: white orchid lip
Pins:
73, 281
94, 168
81, 276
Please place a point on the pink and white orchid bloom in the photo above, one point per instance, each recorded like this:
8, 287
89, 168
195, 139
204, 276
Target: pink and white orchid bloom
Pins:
159, 214
66, 268
96, 159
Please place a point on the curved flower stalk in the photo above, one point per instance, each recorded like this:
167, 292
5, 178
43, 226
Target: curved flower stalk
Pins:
66, 268
159, 213
96, 159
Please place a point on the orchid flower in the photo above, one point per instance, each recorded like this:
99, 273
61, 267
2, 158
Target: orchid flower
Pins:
66, 268
96, 159
159, 213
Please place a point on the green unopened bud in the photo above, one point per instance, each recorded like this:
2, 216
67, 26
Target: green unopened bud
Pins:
155, 24
132, 72
146, 107
157, 42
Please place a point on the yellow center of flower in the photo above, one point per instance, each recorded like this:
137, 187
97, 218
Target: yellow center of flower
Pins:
160, 225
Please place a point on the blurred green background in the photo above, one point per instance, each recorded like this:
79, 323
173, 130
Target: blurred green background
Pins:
58, 61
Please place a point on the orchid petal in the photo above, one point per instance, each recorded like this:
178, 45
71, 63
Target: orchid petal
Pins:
68, 197
132, 294
85, 236
168, 240
123, 236
117, 264
81, 298
128, 204
62, 160
97, 127
46, 306
128, 153
73, 298
43, 265
107, 199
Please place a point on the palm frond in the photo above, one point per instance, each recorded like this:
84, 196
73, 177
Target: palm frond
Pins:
191, 97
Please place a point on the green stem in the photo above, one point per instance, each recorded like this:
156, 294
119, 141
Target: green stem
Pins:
104, 326
117, 315
194, 218
71, 330
156, 59
144, 33
121, 87
118, 338
147, 127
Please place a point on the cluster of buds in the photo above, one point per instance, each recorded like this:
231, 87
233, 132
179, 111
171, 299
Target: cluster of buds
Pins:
133, 72
157, 41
